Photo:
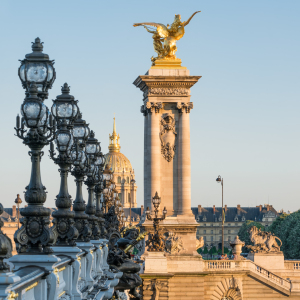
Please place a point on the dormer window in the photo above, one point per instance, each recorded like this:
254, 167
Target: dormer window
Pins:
204, 219
236, 219
243, 218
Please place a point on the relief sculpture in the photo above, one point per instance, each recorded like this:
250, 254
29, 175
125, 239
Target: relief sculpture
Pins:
167, 136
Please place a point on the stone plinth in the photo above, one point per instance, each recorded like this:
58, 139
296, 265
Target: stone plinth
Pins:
155, 262
270, 261
167, 165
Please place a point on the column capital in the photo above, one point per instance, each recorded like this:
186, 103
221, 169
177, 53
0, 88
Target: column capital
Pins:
185, 107
150, 107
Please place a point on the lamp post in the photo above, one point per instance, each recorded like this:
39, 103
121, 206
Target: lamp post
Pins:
220, 179
35, 236
156, 241
65, 111
132, 181
80, 133
18, 201
92, 150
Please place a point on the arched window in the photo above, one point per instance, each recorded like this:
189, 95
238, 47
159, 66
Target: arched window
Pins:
119, 179
127, 179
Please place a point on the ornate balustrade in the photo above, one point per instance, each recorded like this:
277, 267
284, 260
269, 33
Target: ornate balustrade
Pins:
88, 277
238, 265
292, 265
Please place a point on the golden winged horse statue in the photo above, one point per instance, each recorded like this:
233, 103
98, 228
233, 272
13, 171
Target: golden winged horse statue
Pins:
165, 37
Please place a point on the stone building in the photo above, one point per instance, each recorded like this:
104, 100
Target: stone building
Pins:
123, 172
210, 221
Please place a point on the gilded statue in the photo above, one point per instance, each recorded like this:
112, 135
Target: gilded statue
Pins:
165, 37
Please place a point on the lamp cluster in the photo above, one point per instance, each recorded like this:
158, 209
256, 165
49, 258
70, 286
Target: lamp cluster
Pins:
78, 153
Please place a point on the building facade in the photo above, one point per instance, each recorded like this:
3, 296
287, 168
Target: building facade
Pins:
210, 221
123, 173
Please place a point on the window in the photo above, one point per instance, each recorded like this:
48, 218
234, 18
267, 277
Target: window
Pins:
229, 224
204, 224
229, 239
119, 179
220, 238
229, 231
211, 225
211, 238
204, 231
204, 238
211, 232
220, 231
127, 179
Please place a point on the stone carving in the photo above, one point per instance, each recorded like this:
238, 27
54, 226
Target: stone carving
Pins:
264, 242
229, 289
155, 286
185, 107
164, 91
199, 243
153, 107
156, 241
167, 136
174, 244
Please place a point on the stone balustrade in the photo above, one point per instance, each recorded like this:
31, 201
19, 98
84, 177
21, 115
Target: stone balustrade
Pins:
292, 265
86, 277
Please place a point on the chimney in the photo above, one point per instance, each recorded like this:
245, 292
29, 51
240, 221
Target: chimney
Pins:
71, 208
238, 209
226, 208
142, 209
199, 209
260, 208
268, 207
14, 211
214, 209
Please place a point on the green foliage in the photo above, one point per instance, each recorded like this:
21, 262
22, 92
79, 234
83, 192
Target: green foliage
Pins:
287, 228
213, 251
226, 250
199, 250
244, 234
205, 251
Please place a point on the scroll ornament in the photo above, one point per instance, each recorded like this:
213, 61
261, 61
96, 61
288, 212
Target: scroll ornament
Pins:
167, 136
185, 107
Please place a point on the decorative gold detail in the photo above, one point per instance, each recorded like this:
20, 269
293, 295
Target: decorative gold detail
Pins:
129, 228
31, 286
56, 273
167, 136
114, 145
62, 293
164, 41
61, 269
12, 295
139, 238
185, 107
91, 251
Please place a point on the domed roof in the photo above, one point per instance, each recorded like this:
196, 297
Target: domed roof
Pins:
116, 161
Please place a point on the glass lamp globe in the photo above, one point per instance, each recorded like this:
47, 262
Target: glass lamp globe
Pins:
92, 145
37, 68
165, 211
81, 130
34, 112
156, 200
64, 140
65, 106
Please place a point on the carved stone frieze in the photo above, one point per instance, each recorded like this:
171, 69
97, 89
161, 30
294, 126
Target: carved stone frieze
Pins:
167, 136
174, 244
185, 107
167, 91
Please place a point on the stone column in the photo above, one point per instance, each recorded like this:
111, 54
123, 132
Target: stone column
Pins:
154, 148
184, 159
146, 164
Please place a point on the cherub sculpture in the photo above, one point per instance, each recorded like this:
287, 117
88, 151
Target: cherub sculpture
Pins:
165, 37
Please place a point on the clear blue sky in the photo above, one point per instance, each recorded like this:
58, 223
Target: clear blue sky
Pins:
245, 121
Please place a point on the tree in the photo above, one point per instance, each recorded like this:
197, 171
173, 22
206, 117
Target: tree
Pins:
213, 251
205, 251
244, 233
199, 250
287, 228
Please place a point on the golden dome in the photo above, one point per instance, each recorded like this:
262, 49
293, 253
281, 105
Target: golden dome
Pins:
116, 161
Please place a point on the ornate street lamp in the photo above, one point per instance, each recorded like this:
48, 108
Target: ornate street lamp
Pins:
132, 181
80, 135
37, 68
156, 241
18, 201
220, 179
92, 150
107, 177
35, 236
65, 111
